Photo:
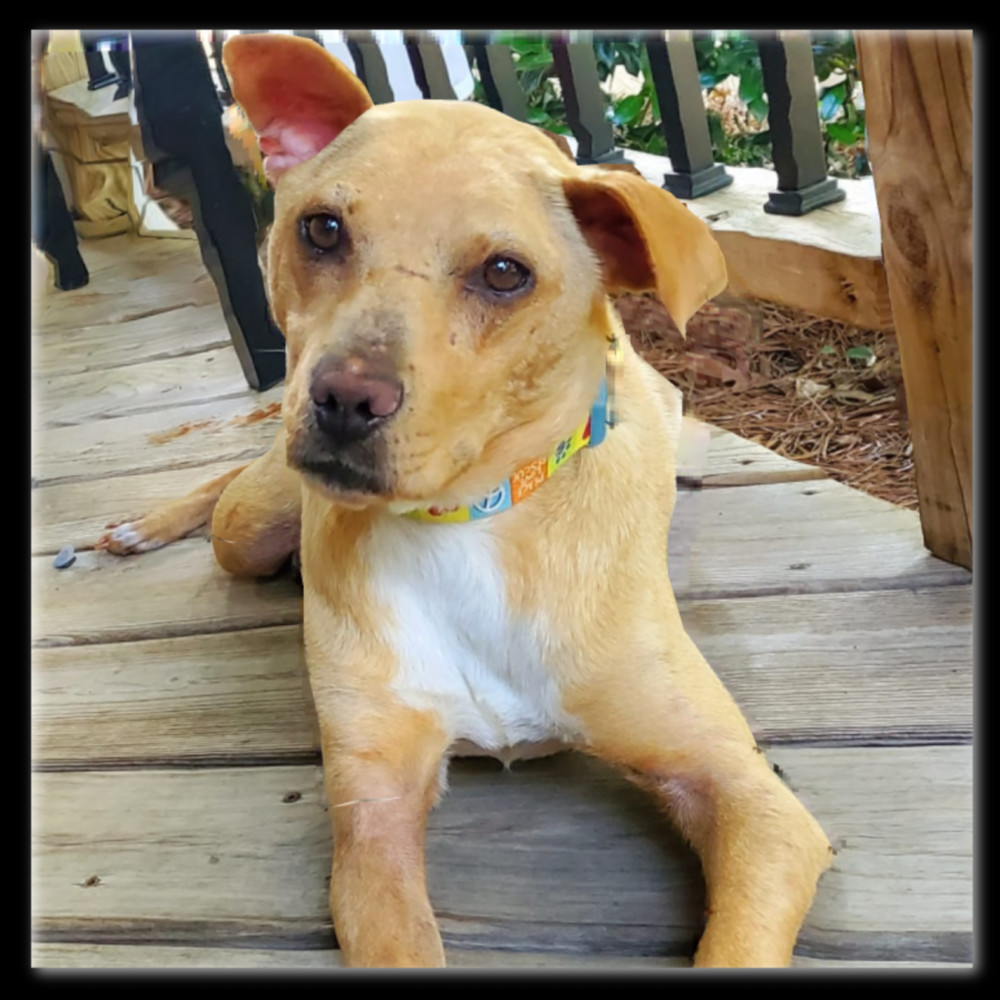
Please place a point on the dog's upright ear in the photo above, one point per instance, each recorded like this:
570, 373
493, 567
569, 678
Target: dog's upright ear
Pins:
297, 96
647, 240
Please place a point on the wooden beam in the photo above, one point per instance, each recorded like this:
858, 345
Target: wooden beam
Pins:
827, 263
918, 96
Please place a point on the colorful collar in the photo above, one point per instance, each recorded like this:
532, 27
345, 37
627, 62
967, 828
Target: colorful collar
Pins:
529, 477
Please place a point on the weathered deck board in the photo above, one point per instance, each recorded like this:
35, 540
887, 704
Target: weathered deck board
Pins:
114, 302
129, 276
217, 855
149, 386
178, 590
817, 535
120, 446
729, 543
837, 668
77, 513
735, 461
114, 956
175, 333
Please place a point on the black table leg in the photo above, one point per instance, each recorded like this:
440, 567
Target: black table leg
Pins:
53, 230
181, 121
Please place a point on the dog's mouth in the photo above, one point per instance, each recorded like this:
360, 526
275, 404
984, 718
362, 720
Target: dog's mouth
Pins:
350, 475
343, 478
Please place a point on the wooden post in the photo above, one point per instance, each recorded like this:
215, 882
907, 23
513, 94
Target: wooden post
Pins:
918, 99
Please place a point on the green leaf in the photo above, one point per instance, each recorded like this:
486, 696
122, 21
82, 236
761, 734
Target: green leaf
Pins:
759, 108
628, 110
533, 60
751, 84
827, 349
846, 135
865, 354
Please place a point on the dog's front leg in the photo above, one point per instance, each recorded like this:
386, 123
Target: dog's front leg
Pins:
676, 731
382, 767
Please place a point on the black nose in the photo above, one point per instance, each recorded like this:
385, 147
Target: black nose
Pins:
352, 397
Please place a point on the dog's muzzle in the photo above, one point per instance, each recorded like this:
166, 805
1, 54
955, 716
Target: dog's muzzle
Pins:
350, 399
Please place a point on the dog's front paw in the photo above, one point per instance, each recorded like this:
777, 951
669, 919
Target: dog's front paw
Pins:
128, 537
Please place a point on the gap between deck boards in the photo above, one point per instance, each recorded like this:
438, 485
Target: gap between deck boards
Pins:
953, 947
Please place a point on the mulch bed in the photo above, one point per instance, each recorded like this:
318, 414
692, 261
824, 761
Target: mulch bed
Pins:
814, 390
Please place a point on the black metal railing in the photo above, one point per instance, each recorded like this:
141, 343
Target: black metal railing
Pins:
177, 112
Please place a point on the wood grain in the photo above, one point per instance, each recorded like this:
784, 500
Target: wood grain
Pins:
232, 430
805, 536
827, 262
178, 590
77, 513
112, 956
730, 543
887, 667
146, 387
561, 854
918, 97
166, 333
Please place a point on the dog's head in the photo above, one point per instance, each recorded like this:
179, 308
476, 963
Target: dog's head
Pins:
441, 275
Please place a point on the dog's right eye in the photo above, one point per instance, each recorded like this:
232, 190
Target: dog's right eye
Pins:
322, 232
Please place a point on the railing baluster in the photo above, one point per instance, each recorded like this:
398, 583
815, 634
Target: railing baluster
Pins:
429, 69
496, 72
577, 70
793, 118
682, 110
370, 66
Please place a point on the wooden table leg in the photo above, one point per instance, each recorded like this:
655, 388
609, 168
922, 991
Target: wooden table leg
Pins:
918, 98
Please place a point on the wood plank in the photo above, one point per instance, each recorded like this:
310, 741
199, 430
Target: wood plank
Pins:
117, 956
146, 387
918, 94
111, 303
840, 668
165, 334
735, 461
77, 513
234, 430
731, 544
827, 262
178, 590
233, 696
840, 286
129, 274
581, 862
804, 536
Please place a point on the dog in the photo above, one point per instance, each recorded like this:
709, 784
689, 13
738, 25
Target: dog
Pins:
478, 472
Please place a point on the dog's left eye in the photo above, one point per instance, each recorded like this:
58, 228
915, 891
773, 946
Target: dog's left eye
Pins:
322, 232
505, 275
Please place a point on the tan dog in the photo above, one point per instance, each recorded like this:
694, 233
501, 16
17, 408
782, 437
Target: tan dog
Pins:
441, 273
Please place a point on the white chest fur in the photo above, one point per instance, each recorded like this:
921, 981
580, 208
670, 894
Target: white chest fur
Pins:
461, 652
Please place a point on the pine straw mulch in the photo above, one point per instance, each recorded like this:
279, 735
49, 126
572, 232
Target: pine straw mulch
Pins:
784, 379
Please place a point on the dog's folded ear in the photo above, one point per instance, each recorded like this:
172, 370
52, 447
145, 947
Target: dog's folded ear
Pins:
297, 96
647, 240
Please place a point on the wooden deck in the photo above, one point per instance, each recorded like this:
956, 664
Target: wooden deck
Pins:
178, 812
